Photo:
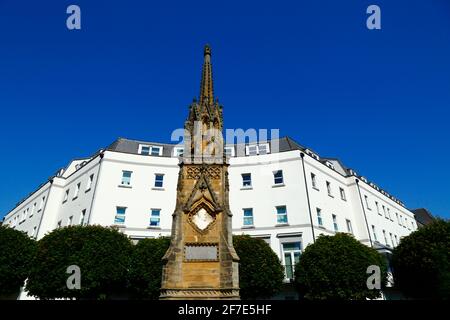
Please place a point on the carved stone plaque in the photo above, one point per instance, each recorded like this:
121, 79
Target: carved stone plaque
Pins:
196, 252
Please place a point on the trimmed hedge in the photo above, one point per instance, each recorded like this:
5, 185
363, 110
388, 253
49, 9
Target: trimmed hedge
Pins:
421, 262
261, 273
16, 253
102, 254
334, 267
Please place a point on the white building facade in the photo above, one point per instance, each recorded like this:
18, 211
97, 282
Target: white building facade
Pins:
280, 191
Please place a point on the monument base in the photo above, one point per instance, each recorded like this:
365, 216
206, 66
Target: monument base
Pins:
200, 294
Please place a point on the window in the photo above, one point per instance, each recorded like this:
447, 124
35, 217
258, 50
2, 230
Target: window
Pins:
374, 233
377, 205
384, 211
385, 238
401, 220
246, 180
335, 225
156, 151
252, 150
342, 192
329, 188
28, 210
263, 149
120, 215
34, 232
248, 217
313, 181
126, 178
77, 190
396, 239
406, 223
388, 214
412, 225
145, 150
229, 151
349, 226
367, 202
398, 219
33, 209
82, 217
59, 224
319, 217
278, 177
282, 215
155, 217
89, 183
179, 151
159, 180
392, 239
66, 195
41, 205
69, 221
291, 256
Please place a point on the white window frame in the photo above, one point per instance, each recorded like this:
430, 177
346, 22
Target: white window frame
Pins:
251, 217
89, 183
66, 195
160, 150
275, 183
124, 214
247, 150
366, 198
158, 217
328, 184
342, 193
82, 217
231, 154
176, 151
141, 146
314, 181
335, 224
162, 181
349, 226
123, 181
244, 181
77, 190
319, 217
282, 214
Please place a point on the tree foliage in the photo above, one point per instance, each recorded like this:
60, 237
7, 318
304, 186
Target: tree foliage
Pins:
102, 254
260, 271
334, 267
144, 277
421, 262
16, 253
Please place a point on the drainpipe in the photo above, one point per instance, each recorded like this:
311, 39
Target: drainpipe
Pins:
302, 155
364, 212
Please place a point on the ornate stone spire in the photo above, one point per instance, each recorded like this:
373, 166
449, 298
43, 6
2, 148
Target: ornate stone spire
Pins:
206, 85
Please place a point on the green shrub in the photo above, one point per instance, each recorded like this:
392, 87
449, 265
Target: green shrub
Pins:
334, 267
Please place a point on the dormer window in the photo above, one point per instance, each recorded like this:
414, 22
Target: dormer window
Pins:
229, 152
156, 151
144, 150
147, 150
253, 150
178, 151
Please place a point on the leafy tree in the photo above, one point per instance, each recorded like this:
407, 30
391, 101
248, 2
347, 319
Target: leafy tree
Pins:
144, 277
260, 271
102, 254
421, 262
335, 267
16, 253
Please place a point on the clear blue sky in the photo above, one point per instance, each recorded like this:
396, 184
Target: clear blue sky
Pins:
378, 100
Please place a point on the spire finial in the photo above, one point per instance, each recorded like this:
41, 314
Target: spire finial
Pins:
206, 85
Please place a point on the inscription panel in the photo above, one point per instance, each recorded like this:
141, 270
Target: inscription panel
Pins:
201, 252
